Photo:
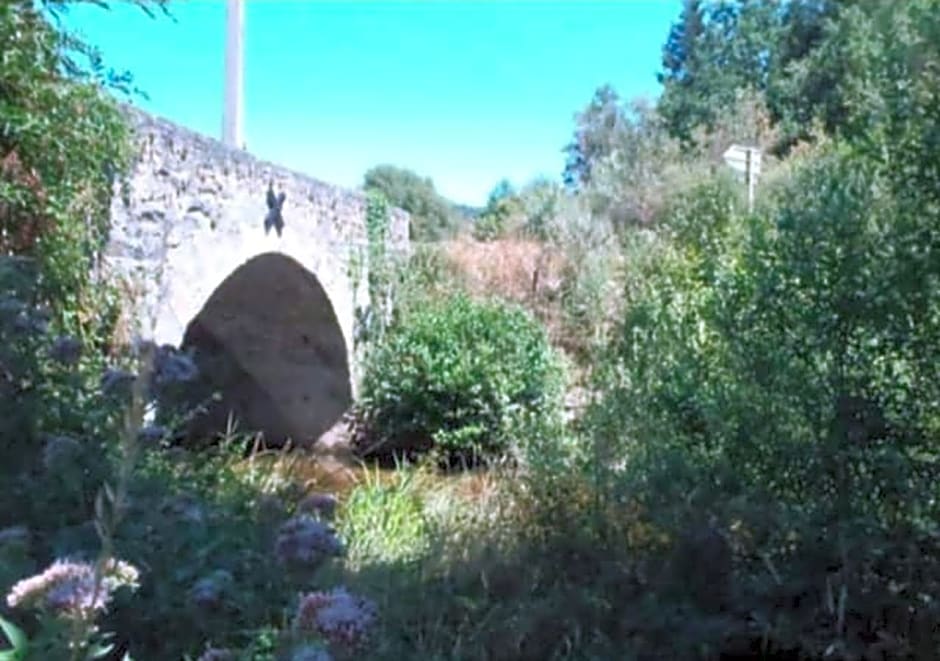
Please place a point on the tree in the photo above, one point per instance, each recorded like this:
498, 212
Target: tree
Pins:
713, 50
63, 143
811, 61
597, 132
432, 217
622, 159
502, 206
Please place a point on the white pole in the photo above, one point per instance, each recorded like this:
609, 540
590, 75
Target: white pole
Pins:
749, 173
234, 74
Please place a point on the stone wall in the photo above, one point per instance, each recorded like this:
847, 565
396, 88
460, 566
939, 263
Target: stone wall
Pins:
193, 213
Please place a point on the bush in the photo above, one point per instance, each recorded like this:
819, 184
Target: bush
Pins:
454, 376
776, 390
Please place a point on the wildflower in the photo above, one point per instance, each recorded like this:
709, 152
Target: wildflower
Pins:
207, 592
306, 541
310, 653
118, 573
170, 365
60, 453
14, 536
116, 381
33, 322
217, 654
342, 618
70, 588
321, 504
66, 350
10, 306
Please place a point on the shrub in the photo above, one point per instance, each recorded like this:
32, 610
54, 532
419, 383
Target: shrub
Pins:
776, 387
453, 376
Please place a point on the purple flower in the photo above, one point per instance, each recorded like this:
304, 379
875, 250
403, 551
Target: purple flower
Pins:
60, 453
170, 365
342, 618
321, 504
31, 322
70, 588
66, 350
207, 592
116, 381
303, 540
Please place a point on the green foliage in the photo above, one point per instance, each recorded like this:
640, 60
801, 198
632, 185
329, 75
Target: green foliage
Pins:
453, 376
837, 63
63, 146
715, 49
757, 475
19, 643
777, 373
502, 206
201, 517
379, 264
541, 201
432, 217
384, 521
527, 212
63, 143
427, 274
596, 135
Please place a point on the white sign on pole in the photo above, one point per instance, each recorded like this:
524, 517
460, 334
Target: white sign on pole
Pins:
737, 157
745, 160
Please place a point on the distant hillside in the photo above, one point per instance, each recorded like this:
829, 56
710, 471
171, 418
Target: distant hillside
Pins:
466, 212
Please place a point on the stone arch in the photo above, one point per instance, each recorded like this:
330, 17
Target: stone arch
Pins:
269, 341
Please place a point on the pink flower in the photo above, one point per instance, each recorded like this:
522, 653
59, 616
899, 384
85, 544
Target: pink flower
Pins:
342, 618
69, 588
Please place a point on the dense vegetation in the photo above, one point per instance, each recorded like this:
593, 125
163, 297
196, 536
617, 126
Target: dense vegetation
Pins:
432, 217
458, 377
751, 469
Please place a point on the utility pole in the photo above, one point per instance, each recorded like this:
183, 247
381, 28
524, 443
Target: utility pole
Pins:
234, 74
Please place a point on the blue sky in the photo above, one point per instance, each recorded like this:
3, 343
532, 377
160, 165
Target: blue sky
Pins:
463, 92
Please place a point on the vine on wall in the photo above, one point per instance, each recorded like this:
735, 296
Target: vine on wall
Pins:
375, 263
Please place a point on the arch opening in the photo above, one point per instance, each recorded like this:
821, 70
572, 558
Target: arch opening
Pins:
269, 342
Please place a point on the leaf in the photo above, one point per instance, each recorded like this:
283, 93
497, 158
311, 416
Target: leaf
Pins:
16, 636
100, 651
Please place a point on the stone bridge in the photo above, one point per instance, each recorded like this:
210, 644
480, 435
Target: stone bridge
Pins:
271, 316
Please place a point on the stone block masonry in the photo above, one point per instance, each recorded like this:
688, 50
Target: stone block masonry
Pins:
188, 235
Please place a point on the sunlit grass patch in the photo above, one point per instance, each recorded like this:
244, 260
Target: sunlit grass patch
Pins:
383, 520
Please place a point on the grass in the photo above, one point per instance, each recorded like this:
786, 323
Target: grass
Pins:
384, 520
